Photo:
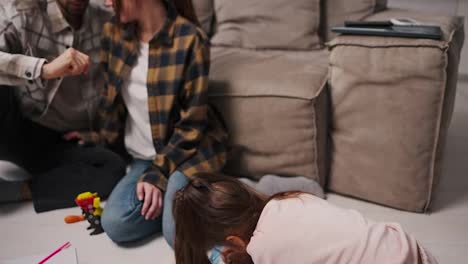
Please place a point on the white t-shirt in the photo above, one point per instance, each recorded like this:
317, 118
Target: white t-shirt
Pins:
138, 137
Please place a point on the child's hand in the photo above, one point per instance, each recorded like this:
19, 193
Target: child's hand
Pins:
152, 200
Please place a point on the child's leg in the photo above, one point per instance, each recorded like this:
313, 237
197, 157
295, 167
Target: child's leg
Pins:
272, 184
425, 256
176, 182
121, 218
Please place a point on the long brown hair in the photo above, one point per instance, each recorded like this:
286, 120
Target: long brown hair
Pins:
209, 209
183, 7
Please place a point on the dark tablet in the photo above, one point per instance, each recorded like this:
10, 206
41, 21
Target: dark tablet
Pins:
429, 32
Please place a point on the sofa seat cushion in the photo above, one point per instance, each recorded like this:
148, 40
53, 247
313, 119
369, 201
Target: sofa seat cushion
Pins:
392, 102
267, 24
275, 107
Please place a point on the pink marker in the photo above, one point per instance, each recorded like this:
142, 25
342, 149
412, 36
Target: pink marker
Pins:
55, 252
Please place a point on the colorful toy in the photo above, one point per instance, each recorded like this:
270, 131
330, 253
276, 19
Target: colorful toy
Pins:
90, 204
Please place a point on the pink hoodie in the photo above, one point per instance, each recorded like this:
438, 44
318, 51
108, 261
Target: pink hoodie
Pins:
309, 230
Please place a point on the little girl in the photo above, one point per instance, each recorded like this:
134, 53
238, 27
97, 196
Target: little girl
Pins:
294, 227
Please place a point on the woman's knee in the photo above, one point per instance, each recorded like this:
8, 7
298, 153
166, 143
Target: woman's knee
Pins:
126, 224
122, 231
117, 223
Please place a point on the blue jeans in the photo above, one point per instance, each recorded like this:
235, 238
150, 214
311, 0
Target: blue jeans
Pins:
122, 219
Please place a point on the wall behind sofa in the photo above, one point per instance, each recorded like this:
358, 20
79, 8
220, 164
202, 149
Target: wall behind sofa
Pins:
447, 7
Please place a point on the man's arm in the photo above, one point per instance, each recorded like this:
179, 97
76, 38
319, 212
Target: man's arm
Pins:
16, 69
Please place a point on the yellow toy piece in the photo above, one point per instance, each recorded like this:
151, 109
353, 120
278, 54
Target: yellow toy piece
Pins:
86, 195
97, 206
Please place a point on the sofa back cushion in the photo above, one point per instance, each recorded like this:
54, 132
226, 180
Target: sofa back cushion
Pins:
275, 105
336, 12
267, 24
204, 9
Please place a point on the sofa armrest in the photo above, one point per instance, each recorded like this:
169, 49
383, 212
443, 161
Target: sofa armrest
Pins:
392, 102
448, 24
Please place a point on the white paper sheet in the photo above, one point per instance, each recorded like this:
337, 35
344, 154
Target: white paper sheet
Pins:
65, 256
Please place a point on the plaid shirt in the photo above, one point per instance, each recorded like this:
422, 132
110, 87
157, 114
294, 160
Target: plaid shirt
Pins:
35, 31
187, 134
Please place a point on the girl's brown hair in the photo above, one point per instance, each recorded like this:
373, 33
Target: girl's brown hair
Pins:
209, 209
183, 7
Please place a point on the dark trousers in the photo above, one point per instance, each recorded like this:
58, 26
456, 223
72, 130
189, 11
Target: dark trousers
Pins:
60, 169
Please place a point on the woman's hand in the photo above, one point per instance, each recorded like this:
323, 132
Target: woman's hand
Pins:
152, 200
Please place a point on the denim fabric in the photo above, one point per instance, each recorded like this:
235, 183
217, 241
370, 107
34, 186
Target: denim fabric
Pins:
122, 219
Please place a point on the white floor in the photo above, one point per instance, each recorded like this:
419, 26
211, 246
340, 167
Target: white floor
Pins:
445, 231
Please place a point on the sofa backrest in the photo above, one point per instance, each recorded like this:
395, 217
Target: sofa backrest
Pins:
267, 24
204, 9
336, 12
282, 24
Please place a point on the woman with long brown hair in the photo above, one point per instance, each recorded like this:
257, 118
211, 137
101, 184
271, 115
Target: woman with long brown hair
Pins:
156, 64
295, 227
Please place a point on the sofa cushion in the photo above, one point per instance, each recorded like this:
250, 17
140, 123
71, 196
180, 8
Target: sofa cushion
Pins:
339, 11
392, 102
204, 9
275, 107
267, 24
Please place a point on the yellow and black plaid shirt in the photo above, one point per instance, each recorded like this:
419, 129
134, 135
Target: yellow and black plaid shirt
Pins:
187, 134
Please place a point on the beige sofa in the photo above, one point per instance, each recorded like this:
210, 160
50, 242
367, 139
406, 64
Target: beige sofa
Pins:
364, 116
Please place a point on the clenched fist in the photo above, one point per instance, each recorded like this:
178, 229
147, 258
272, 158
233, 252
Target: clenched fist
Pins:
71, 62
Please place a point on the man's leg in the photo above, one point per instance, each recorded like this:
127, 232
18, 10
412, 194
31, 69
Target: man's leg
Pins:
22, 141
13, 183
273, 184
11, 127
14, 191
121, 218
71, 169
60, 169
13, 179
